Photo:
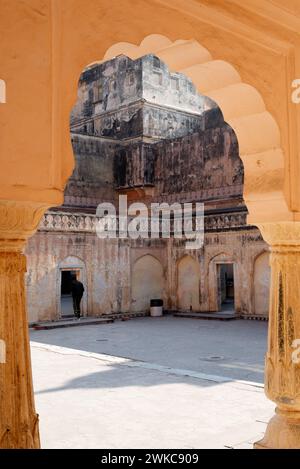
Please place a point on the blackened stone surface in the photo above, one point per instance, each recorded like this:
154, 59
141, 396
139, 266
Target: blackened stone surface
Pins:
136, 124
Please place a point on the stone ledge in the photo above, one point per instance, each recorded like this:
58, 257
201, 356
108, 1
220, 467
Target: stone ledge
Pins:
210, 316
70, 321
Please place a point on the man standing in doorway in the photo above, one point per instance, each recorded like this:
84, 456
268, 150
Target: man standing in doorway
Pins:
77, 292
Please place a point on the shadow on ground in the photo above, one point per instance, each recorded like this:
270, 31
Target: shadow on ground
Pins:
233, 350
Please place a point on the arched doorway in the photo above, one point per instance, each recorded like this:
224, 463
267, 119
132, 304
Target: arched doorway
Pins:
147, 282
69, 267
221, 285
261, 284
188, 279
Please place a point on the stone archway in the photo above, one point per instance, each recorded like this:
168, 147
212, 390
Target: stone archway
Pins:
188, 284
256, 40
72, 263
147, 282
267, 191
261, 284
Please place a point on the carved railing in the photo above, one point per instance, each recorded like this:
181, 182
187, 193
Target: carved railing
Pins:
82, 222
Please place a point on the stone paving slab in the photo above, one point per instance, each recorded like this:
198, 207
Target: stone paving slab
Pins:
233, 349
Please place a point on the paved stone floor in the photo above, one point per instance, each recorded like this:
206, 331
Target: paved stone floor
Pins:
152, 383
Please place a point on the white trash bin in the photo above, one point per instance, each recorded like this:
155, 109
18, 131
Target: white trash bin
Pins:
156, 307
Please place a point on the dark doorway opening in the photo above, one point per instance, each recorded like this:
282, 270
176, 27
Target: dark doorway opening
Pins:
66, 292
226, 287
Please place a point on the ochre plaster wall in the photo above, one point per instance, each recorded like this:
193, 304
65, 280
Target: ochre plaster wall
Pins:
46, 45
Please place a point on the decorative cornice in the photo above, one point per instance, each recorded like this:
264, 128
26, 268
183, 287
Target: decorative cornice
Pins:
86, 223
71, 222
225, 221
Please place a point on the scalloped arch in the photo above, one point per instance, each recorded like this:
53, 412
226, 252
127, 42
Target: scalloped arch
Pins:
243, 109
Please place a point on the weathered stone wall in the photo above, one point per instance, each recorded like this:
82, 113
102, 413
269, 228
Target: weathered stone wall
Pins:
135, 124
138, 129
208, 159
204, 161
92, 180
122, 107
120, 82
107, 266
134, 166
110, 265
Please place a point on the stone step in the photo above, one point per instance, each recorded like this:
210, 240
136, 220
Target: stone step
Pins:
253, 317
217, 316
70, 323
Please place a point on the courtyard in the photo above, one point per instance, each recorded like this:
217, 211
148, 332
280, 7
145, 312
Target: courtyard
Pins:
152, 383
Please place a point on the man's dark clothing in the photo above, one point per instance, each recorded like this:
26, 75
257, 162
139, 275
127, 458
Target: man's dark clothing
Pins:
77, 292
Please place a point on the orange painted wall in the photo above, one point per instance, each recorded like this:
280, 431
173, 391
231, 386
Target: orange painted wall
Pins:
46, 44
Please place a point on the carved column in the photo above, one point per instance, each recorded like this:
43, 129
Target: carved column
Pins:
282, 375
18, 419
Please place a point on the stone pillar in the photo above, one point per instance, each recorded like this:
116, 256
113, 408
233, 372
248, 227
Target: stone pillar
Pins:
282, 374
18, 419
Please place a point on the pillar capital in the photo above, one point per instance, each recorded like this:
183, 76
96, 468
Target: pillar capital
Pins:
283, 234
18, 221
